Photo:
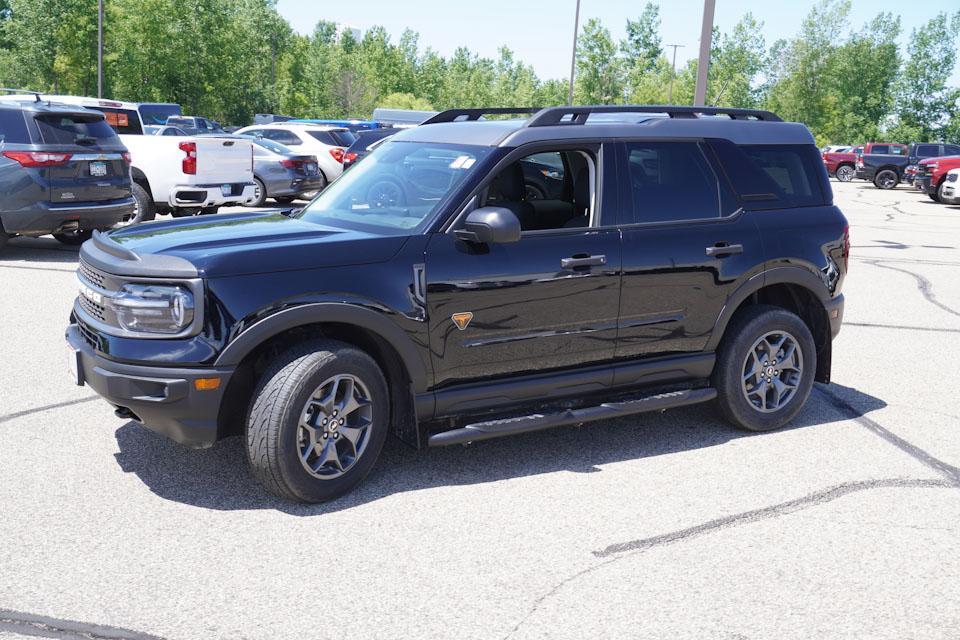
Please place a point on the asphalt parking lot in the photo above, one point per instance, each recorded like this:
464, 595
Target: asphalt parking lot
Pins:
845, 524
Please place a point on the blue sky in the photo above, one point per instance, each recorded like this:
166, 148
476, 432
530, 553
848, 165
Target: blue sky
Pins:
540, 31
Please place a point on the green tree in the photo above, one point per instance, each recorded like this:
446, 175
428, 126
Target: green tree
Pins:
923, 98
405, 101
641, 47
599, 78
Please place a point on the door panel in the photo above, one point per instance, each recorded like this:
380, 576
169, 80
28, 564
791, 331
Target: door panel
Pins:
530, 313
684, 251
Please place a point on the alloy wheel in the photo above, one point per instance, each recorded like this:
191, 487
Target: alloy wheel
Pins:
845, 173
772, 371
334, 427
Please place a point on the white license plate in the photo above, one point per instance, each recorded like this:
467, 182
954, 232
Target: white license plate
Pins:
226, 189
73, 365
311, 168
98, 169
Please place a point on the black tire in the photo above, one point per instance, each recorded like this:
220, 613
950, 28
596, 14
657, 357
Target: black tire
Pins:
937, 196
4, 236
209, 211
845, 173
262, 190
146, 209
743, 332
280, 398
886, 179
285, 199
74, 238
184, 212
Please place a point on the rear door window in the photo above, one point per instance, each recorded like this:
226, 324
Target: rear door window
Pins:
927, 150
951, 150
671, 181
13, 127
282, 136
74, 129
882, 149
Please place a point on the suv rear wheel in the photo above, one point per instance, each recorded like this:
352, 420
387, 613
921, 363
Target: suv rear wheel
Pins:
845, 173
144, 208
765, 368
886, 179
318, 421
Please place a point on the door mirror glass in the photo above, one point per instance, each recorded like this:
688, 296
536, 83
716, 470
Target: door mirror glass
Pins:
490, 225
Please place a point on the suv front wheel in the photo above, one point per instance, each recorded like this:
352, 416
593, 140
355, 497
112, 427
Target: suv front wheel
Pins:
886, 179
318, 421
765, 368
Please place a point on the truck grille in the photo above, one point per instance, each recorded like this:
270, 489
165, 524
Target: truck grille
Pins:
92, 275
93, 309
92, 278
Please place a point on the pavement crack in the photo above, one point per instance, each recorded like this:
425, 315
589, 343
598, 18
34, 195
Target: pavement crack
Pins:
900, 326
621, 550
48, 407
29, 624
925, 286
950, 472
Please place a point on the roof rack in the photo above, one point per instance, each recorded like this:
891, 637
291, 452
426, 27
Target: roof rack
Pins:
35, 94
455, 115
578, 115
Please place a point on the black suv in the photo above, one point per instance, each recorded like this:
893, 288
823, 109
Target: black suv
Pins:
63, 170
692, 255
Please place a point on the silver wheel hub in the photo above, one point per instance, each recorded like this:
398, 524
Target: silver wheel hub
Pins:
334, 427
772, 371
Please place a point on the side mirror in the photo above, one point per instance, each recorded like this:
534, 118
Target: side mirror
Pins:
490, 225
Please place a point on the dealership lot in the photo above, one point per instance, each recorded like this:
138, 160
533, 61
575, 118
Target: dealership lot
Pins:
674, 525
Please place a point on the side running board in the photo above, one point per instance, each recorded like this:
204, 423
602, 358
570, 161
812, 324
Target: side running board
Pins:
537, 421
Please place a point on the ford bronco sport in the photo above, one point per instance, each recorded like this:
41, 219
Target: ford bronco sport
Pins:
692, 254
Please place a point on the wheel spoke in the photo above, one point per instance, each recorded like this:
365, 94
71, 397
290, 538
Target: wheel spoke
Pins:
329, 455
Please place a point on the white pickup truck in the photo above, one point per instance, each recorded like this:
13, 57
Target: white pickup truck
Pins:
173, 174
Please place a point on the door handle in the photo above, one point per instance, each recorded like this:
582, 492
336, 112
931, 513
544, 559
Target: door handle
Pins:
583, 261
723, 249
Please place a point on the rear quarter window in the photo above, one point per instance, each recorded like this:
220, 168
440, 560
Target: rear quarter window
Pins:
881, 149
772, 176
74, 129
13, 127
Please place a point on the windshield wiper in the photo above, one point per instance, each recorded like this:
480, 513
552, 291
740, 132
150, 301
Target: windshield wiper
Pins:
84, 140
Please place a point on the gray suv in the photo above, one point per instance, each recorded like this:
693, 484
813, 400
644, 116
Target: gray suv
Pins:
63, 171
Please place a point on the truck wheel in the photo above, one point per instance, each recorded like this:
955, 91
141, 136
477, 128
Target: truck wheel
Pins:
765, 368
319, 419
184, 212
74, 238
886, 179
845, 173
208, 211
937, 196
261, 193
144, 208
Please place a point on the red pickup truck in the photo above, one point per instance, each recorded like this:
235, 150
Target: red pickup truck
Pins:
840, 164
931, 174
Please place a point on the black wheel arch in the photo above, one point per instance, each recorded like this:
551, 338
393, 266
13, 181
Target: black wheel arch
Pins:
371, 331
793, 288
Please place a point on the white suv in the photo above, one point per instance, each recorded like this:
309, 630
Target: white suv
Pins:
328, 143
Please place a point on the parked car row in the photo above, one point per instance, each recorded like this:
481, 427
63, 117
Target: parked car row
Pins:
888, 164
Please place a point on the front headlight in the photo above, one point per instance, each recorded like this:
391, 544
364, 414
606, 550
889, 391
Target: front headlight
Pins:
153, 308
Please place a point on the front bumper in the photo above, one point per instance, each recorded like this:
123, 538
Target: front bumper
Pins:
213, 195
951, 192
163, 399
45, 217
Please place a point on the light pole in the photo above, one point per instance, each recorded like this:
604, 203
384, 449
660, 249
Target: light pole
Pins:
673, 73
703, 64
573, 56
99, 48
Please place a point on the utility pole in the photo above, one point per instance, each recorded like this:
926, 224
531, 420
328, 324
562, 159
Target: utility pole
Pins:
673, 74
99, 48
703, 64
573, 56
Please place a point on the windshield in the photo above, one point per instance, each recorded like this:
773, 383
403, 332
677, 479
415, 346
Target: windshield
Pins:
74, 129
270, 145
396, 188
158, 113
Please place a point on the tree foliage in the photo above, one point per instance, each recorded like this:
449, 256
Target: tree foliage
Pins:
229, 59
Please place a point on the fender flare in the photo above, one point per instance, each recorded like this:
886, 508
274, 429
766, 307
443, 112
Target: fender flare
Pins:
778, 275
318, 313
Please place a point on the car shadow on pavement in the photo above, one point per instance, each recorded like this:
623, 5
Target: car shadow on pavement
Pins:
218, 477
39, 250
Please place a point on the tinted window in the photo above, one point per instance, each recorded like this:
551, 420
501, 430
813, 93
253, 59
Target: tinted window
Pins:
13, 128
270, 145
927, 150
158, 113
772, 176
671, 181
334, 138
122, 120
174, 131
73, 129
180, 122
288, 138
951, 150
880, 148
